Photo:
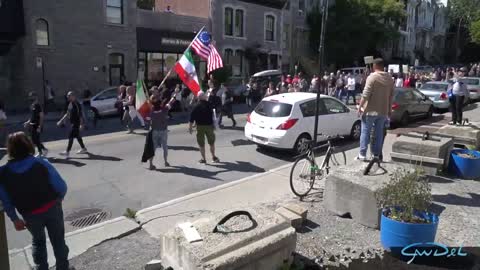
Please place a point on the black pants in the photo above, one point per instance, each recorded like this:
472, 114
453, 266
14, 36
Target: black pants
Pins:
456, 104
226, 112
351, 94
75, 133
36, 139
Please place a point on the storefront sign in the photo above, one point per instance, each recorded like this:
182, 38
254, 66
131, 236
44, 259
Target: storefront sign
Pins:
175, 42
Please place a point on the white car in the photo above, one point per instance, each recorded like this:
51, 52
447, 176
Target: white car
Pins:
473, 86
104, 102
287, 121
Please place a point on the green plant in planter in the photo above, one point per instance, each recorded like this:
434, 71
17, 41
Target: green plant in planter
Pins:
407, 192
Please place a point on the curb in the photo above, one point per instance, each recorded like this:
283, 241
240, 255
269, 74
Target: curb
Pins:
204, 192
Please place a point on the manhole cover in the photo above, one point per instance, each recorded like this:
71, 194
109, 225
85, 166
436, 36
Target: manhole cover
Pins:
86, 217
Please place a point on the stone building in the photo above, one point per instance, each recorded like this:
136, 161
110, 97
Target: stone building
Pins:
423, 34
75, 45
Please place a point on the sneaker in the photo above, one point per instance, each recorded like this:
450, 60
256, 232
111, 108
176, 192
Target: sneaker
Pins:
361, 158
216, 160
202, 161
452, 123
82, 151
167, 164
45, 152
234, 124
66, 154
152, 167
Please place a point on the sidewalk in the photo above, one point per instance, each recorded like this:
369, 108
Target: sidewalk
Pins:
328, 236
19, 119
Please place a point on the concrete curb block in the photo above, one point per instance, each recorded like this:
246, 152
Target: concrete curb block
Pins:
80, 241
139, 216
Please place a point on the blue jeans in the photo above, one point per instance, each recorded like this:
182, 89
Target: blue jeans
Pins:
377, 123
53, 221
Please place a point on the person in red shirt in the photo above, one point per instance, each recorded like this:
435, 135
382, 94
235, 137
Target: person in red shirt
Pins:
288, 80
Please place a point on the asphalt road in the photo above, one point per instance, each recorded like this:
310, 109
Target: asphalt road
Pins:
112, 178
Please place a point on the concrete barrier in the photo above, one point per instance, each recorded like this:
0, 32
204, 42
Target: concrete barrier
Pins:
431, 154
4, 258
348, 191
464, 135
265, 244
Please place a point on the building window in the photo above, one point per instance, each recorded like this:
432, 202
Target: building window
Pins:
239, 22
238, 65
41, 32
229, 21
228, 56
301, 5
115, 11
270, 28
116, 68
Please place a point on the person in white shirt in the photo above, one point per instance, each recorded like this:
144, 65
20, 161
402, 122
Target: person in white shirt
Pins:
350, 88
399, 80
460, 93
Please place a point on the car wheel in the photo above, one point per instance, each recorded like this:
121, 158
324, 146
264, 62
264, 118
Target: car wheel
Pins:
301, 145
356, 131
405, 119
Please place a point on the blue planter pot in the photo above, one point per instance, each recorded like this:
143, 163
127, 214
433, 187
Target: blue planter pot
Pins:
466, 168
396, 235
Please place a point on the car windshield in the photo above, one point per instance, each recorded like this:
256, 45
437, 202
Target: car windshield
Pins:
273, 109
470, 81
434, 87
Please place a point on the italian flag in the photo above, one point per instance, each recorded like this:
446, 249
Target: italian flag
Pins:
141, 103
187, 73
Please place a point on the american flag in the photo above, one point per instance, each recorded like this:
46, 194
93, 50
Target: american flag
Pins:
203, 48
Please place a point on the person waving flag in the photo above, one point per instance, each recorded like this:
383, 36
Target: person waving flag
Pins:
203, 47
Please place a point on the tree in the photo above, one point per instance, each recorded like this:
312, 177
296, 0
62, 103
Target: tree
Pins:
146, 4
464, 13
475, 31
356, 28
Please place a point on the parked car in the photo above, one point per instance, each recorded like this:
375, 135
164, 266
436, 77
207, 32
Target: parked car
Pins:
437, 92
264, 77
409, 103
473, 86
104, 102
286, 121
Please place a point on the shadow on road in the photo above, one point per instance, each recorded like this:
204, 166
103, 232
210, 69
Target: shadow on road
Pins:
91, 156
452, 199
183, 148
66, 162
241, 142
191, 172
232, 128
240, 166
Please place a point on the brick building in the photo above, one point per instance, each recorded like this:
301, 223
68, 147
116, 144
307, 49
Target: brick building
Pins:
81, 44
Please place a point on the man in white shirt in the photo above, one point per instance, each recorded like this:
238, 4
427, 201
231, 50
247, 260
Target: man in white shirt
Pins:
459, 94
351, 88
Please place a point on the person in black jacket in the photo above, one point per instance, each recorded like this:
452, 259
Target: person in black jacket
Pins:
227, 107
36, 190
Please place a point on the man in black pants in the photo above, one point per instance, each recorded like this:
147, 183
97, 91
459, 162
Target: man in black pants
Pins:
459, 94
74, 113
35, 124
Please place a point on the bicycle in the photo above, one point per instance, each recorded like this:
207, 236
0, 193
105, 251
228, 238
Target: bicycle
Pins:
302, 184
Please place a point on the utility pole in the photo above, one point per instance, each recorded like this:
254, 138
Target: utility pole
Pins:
321, 52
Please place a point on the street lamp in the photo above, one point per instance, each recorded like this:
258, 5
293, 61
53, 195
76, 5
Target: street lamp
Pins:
321, 52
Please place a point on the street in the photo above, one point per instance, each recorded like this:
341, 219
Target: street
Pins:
111, 178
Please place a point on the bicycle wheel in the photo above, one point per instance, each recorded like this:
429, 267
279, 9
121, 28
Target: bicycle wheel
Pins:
302, 176
335, 158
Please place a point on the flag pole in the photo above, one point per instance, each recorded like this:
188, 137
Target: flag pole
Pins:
190, 45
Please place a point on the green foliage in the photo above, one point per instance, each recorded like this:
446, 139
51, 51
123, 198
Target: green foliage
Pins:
146, 4
407, 192
475, 31
222, 75
466, 10
356, 28
129, 213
